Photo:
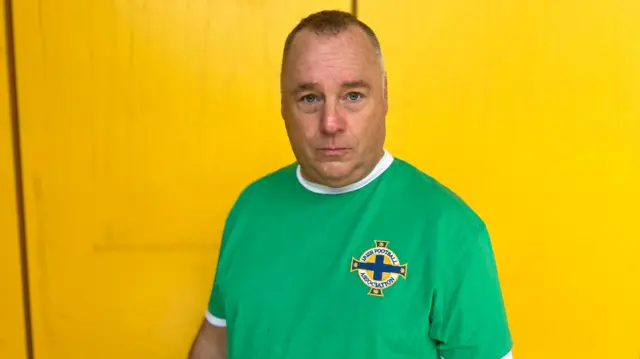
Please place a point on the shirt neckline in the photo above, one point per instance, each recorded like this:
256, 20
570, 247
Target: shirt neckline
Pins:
382, 165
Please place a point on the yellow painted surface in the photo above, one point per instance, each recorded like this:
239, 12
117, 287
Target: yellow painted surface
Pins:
141, 122
531, 111
12, 330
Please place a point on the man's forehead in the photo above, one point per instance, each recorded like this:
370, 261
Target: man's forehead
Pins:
341, 58
308, 41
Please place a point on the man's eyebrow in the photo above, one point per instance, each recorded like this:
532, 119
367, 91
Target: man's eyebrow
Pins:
353, 84
307, 86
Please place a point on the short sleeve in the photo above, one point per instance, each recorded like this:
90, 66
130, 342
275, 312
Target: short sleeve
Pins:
215, 312
468, 318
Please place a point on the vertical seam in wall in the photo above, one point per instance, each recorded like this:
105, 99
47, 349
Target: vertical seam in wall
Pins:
354, 8
17, 162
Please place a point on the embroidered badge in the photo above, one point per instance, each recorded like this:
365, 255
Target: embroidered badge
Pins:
379, 268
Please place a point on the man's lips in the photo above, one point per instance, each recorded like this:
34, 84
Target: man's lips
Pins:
333, 150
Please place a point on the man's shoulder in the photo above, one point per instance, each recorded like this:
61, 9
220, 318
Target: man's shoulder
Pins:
430, 196
274, 183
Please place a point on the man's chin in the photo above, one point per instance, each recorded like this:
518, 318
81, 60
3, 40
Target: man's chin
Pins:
335, 169
338, 174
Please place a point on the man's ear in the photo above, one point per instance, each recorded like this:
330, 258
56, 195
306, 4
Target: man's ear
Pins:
281, 104
386, 94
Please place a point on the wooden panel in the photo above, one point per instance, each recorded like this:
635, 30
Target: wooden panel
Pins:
141, 122
531, 111
12, 329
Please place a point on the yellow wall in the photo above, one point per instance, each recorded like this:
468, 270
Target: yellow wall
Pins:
12, 331
142, 120
531, 111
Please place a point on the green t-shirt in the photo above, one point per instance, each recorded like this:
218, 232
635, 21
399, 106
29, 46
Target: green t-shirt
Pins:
395, 266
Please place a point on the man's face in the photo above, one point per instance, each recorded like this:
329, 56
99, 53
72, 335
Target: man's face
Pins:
334, 105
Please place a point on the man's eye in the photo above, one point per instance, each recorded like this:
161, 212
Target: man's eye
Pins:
309, 98
353, 96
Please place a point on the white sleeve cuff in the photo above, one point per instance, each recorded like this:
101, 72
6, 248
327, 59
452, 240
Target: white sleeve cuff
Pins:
508, 356
215, 321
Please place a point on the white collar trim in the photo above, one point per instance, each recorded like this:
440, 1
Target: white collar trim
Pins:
384, 163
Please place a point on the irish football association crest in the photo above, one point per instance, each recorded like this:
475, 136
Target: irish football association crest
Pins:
379, 268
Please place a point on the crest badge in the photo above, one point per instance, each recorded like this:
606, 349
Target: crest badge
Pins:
379, 268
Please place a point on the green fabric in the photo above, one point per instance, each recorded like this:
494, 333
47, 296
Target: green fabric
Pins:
289, 286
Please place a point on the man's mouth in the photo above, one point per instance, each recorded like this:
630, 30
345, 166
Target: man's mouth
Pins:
333, 151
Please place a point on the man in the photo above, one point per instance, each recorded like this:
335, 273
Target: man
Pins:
349, 252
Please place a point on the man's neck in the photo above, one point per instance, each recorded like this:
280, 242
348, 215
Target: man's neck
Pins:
347, 186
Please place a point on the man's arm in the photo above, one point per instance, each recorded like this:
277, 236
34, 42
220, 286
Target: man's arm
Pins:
210, 342
468, 318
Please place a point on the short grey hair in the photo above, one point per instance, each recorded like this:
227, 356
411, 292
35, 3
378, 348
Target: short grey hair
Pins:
331, 22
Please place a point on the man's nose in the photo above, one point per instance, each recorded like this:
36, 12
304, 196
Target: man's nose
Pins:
333, 121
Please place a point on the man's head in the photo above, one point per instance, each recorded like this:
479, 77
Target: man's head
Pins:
334, 100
